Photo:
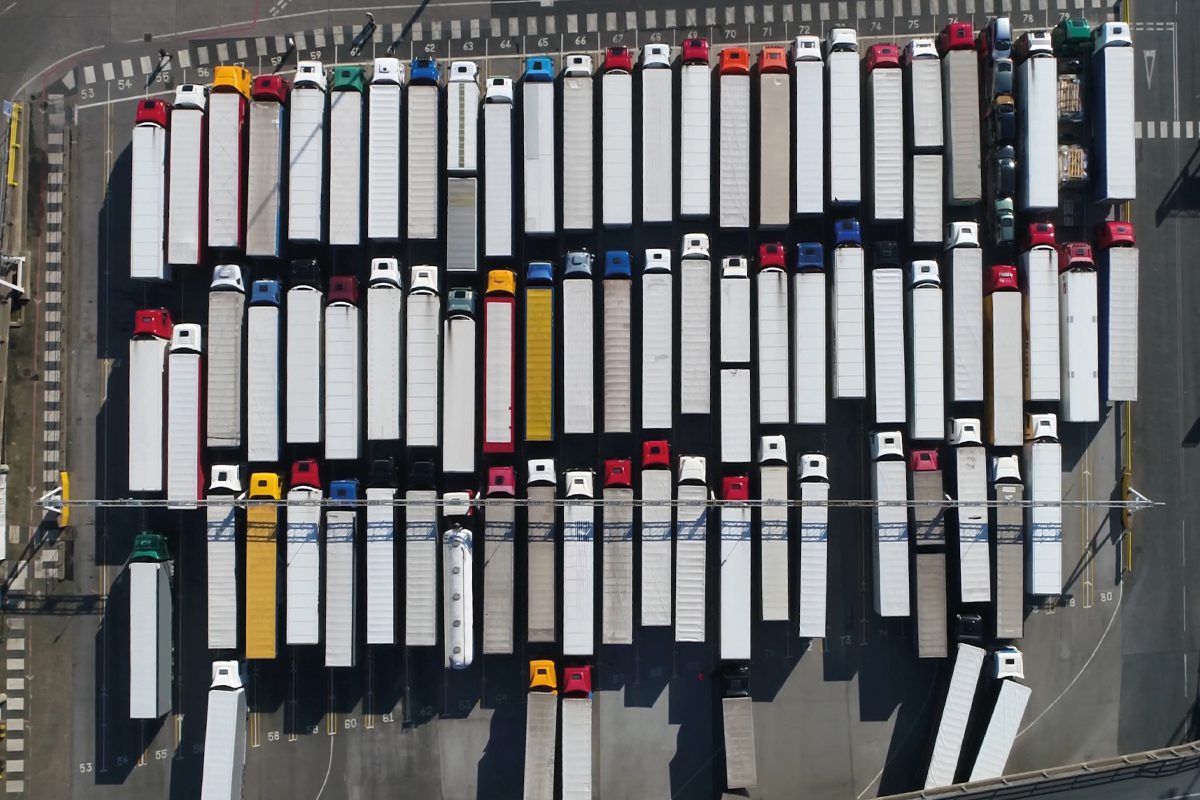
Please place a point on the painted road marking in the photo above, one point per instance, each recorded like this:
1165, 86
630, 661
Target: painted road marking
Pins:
222, 53
240, 48
107, 69
202, 56
89, 74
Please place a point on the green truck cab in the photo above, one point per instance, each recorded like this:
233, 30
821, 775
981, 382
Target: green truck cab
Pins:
1072, 37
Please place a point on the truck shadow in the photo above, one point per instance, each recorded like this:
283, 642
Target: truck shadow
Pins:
1182, 198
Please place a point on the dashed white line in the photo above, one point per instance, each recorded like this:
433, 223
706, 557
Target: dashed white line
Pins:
127, 67
202, 55
89, 74
593, 23
146, 66
240, 48
301, 42
8, 8
319, 39
710, 17
107, 70
222, 53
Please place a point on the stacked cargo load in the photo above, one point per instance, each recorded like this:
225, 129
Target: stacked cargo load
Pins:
422, 138
1007, 495
658, 330
735, 569
221, 534
808, 76
385, 326
808, 335
420, 558
458, 581
148, 192
185, 244
695, 130
695, 331
341, 575
1080, 335
152, 331
499, 534
962, 266
960, 80
735, 361
814, 545
422, 346
577, 144
150, 651
343, 356
264, 176
381, 556
185, 479
540, 535
385, 101
345, 155
306, 154
927, 402
848, 321
617, 559
845, 110
539, 352
262, 570
579, 565
889, 485
458, 394
691, 536
616, 144
304, 554
885, 98
578, 375
262, 372
305, 312
733, 143
537, 103
226, 310
887, 335
773, 528
657, 525
498, 168
929, 553
618, 414
1004, 357
499, 375
226, 156
971, 516
1043, 519
774, 399
658, 133
774, 132
1119, 311
462, 164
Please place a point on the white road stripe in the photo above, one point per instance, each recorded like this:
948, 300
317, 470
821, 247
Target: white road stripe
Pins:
748, 14
146, 65
494, 27
1188, 131
710, 17
222, 53
69, 80
475, 28
455, 29
843, 9
531, 26
631, 21
824, 7
860, 9
788, 13
731, 16
610, 21
89, 74
301, 42
107, 71
572, 23
593, 23
319, 39
1151, 130
551, 26
239, 47
281, 45
670, 23
651, 19
417, 32
806, 12
202, 55
1175, 129
1162, 130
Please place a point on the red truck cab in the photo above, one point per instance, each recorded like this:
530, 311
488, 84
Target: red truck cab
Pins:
343, 289
1114, 234
736, 487
153, 112
771, 256
885, 56
735, 61
956, 36
577, 681
1075, 255
155, 322
305, 473
618, 59
772, 59
617, 473
695, 51
923, 460
1001, 278
656, 454
1039, 234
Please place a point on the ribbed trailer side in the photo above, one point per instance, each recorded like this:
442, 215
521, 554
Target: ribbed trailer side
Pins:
149, 640
809, 81
1010, 561
577, 153
577, 748
845, 142
499, 530
1119, 324
498, 179
540, 577
385, 326
923, 103
1079, 343
224, 743
262, 578
264, 179
147, 202
657, 519
657, 378
186, 188
579, 570
499, 321
691, 534
733, 152
458, 395
887, 350
343, 384
381, 566
735, 320
384, 103
341, 578
1005, 373
1116, 161
462, 227
539, 364
1001, 731
930, 596
927, 401
885, 93
422, 139
658, 140
1043, 523
147, 413
774, 142
814, 558
226, 122
423, 345
970, 486
616, 610
695, 346
305, 313
184, 429
616, 149
890, 535
925, 199
774, 534
420, 569
306, 165
618, 414
808, 348
964, 271
960, 80
345, 167
303, 566
735, 582
541, 738
462, 127
1039, 268
1037, 134
955, 713
735, 416
578, 375
540, 174
774, 400
221, 535
849, 324
695, 140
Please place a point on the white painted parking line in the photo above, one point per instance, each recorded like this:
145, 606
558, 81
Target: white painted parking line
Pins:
301, 41
551, 26
15, 787
89, 74
531, 26
1162, 129
1150, 130
15, 665
16, 643
843, 9
631, 20
239, 47
14, 685
670, 23
69, 80
14, 745
126, 68
824, 7
202, 56
319, 39
710, 17
107, 71
970, 6
475, 28
222, 53
572, 23
417, 32
146, 65
514, 26
16, 725
1061, 4
610, 21
651, 19
1188, 131
15, 765
593, 23
768, 15
748, 14
860, 9
788, 13
260, 47
1175, 129
916, 8
455, 29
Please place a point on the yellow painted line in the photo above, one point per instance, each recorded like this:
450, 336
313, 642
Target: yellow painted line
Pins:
539, 365
14, 143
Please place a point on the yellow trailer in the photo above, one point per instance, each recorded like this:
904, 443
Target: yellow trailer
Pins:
262, 525
539, 353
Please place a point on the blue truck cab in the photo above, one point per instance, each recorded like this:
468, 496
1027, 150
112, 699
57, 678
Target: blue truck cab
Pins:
846, 233
424, 70
810, 256
539, 69
344, 491
579, 264
264, 293
616, 264
540, 273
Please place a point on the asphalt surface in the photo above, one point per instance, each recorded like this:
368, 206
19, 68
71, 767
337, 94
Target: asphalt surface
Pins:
851, 715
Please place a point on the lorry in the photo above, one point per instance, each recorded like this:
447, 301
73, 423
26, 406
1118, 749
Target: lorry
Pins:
969, 486
774, 364
422, 350
1113, 126
345, 155
458, 581
498, 168
885, 99
499, 377
617, 559
458, 393
658, 133
422, 138
185, 479
539, 352
185, 244
775, 133
887, 335
808, 335
221, 535
148, 192
952, 727
420, 558
737, 724
657, 333
1072, 166
343, 357
889, 518
926, 397
808, 80
695, 326
226, 311
304, 522
848, 313
381, 555
385, 324
537, 103
923, 97
735, 415
577, 169
695, 130
1080, 336
262, 529
1001, 732
1004, 357
150, 651
616, 346
814, 545
541, 731
734, 520
305, 316
657, 524
960, 112
1043, 519
1119, 306
691, 535
306, 154
1039, 274
385, 102
928, 520
1037, 135
264, 174
578, 381
577, 733
462, 119
462, 227
152, 333
845, 140
226, 156
735, 361
962, 266
616, 141
773, 530
733, 139
925, 198
579, 565
542, 481
499, 535
224, 735
1006, 520
262, 372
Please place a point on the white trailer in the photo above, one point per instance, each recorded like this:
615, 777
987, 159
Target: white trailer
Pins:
814, 545
343, 357
658, 133
150, 651
735, 415
733, 146
381, 565
224, 735
420, 568
345, 158
579, 566
499, 377
657, 524
577, 166
226, 310
221, 557
540, 172
616, 147
458, 393
848, 324
887, 350
971, 516
422, 137
305, 315
1080, 359
617, 562
930, 622
885, 98
1037, 134
695, 140
226, 170
808, 79
1004, 358
618, 414
262, 373
1001, 731
955, 714
498, 168
927, 402
808, 336
1119, 323
960, 79
695, 320
148, 398
185, 481
540, 536
462, 119
735, 570
458, 581
1039, 273
148, 192
303, 578
773, 528
735, 311
341, 576
1043, 522
499, 534
1113, 73
923, 96
576, 748
691, 534
264, 175
185, 244
306, 154
462, 228
541, 736
962, 266
578, 376
658, 330
925, 199
422, 346
845, 140
385, 324
889, 486
774, 140
1010, 546
385, 99
774, 365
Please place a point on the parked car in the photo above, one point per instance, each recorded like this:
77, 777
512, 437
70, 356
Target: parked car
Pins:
1000, 77
1002, 171
1004, 222
1002, 120
995, 41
